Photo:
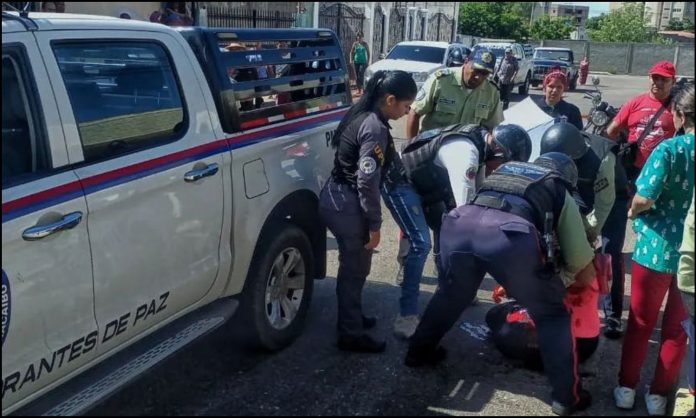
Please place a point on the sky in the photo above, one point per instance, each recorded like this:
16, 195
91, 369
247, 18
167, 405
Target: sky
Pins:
596, 8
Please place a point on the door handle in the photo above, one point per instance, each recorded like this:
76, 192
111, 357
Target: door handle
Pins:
195, 175
68, 221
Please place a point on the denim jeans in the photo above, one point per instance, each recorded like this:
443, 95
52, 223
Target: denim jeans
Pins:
615, 232
404, 203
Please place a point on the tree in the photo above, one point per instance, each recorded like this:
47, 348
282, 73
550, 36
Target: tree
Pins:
595, 22
625, 25
548, 28
675, 24
491, 20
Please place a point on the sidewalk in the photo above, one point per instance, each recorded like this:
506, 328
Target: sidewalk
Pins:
683, 400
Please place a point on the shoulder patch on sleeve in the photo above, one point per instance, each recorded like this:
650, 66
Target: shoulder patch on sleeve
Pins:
442, 72
421, 94
368, 165
601, 185
471, 173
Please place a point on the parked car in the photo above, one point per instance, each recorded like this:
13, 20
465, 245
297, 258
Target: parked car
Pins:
524, 74
546, 57
420, 58
153, 185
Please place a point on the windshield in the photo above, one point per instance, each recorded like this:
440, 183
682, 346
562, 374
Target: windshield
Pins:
417, 53
542, 54
498, 52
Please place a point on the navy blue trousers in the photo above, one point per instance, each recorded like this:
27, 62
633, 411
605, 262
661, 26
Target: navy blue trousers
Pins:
474, 241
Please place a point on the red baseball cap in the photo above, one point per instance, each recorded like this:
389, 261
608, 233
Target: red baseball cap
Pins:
663, 68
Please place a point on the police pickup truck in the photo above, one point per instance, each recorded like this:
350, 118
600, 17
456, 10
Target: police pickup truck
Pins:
154, 183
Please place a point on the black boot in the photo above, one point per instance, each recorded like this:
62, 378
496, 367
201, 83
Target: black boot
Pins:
361, 344
421, 356
565, 410
369, 322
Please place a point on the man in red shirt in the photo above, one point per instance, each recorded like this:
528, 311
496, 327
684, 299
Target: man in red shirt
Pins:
634, 116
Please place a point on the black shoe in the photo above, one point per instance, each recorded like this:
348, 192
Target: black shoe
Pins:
613, 328
565, 410
369, 322
417, 357
361, 344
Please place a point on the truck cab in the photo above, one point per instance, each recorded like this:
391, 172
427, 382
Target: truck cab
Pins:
157, 185
546, 58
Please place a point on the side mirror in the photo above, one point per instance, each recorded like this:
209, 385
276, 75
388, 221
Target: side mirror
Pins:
382, 56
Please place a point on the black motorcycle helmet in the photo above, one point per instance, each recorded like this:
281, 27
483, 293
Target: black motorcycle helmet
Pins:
512, 143
564, 137
562, 164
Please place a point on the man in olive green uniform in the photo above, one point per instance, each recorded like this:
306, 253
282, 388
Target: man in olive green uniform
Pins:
453, 96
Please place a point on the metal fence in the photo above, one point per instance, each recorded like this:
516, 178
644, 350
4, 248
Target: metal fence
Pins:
232, 17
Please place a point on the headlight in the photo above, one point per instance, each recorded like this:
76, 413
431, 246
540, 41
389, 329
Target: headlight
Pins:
600, 118
420, 77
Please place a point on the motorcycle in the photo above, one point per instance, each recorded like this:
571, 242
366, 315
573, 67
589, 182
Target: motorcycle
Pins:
601, 112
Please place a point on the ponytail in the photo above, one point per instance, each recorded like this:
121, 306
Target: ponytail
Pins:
398, 83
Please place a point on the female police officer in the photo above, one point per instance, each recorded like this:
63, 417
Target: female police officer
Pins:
500, 233
350, 200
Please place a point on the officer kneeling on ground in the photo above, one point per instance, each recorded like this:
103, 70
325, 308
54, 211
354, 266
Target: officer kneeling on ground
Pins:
596, 163
446, 166
509, 231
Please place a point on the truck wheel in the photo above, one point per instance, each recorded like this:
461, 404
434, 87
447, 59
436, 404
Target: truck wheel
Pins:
524, 88
278, 291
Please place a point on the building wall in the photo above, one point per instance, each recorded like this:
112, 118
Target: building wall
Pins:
658, 14
137, 10
578, 14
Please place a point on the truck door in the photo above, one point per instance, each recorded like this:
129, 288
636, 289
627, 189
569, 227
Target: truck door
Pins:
48, 319
150, 169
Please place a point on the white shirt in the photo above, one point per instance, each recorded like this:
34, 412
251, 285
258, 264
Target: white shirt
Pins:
461, 160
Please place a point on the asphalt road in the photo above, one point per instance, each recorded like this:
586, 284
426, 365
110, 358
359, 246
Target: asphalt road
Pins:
216, 377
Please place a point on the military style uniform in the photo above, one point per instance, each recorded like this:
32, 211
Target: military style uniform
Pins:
350, 207
499, 233
444, 100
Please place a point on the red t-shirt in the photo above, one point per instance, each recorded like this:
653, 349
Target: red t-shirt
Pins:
636, 114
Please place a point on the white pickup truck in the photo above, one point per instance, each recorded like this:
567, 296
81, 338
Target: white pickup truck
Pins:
154, 182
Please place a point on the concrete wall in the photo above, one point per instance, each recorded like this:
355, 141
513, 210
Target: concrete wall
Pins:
645, 55
627, 58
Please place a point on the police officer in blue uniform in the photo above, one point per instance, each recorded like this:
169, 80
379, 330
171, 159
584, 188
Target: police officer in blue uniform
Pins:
350, 200
509, 231
445, 183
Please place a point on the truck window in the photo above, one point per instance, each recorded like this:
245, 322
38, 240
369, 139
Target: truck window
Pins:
276, 81
24, 148
124, 95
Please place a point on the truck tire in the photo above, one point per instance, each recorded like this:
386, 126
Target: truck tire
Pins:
276, 296
524, 88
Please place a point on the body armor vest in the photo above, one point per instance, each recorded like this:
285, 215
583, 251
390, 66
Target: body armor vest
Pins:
602, 146
524, 189
430, 180
588, 166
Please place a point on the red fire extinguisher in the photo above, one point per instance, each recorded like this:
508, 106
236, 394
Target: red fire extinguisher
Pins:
584, 69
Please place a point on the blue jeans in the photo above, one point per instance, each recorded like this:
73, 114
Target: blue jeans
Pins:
615, 231
404, 203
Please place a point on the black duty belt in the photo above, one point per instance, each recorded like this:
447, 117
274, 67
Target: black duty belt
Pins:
500, 203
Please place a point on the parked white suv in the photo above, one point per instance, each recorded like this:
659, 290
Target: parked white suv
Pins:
420, 58
524, 59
